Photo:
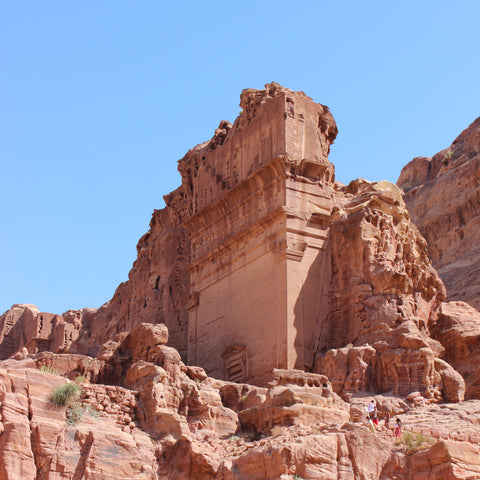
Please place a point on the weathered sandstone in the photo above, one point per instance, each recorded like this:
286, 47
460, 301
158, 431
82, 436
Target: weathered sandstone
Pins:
37, 443
24, 326
442, 194
384, 295
285, 437
458, 330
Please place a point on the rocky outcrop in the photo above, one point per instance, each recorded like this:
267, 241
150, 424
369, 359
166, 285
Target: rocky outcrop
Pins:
442, 194
384, 296
37, 442
287, 300
294, 398
458, 330
157, 288
24, 326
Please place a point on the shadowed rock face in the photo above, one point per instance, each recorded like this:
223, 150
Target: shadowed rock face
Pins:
442, 194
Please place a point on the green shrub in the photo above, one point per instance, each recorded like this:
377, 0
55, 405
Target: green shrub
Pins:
407, 438
80, 378
93, 412
65, 394
74, 413
417, 442
48, 370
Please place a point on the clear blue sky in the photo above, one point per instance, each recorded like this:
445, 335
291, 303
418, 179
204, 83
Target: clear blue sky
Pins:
100, 99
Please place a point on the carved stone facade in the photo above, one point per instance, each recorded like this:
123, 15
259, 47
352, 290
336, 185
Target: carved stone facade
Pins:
264, 231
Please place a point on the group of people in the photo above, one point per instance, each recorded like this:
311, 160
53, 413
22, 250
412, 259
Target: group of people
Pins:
371, 414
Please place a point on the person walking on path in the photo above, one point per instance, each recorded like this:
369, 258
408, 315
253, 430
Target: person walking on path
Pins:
398, 429
387, 419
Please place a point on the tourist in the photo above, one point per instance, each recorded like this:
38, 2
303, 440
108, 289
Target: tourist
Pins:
374, 417
371, 424
387, 419
398, 429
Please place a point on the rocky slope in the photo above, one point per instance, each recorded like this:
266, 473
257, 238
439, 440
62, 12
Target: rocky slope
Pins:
171, 421
442, 194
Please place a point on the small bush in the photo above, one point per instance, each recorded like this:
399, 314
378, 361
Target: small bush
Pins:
74, 413
94, 413
48, 370
417, 442
407, 438
448, 154
80, 378
65, 394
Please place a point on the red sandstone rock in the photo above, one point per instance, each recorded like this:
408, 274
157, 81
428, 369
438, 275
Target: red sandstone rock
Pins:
295, 398
280, 265
443, 199
458, 329
385, 294
38, 443
447, 460
349, 368
24, 326
187, 416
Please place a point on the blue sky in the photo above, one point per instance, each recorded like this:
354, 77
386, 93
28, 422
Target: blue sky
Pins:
98, 101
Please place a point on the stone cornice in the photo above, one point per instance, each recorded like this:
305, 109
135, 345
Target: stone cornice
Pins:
239, 194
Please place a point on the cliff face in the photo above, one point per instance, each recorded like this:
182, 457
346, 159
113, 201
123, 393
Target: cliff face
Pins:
157, 288
442, 194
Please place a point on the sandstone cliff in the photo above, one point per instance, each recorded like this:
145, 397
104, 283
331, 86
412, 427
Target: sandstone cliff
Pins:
442, 194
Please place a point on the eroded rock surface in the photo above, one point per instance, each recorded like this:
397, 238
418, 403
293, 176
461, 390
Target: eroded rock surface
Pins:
260, 261
171, 421
384, 296
442, 194
458, 329
24, 326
